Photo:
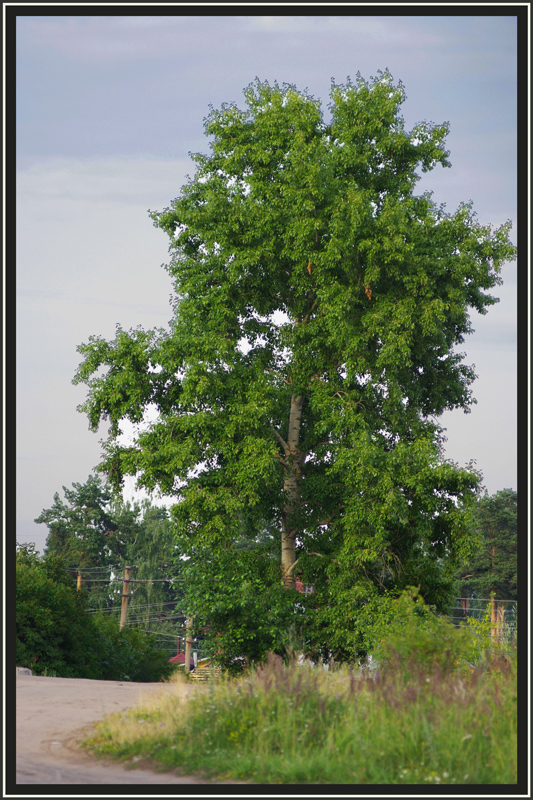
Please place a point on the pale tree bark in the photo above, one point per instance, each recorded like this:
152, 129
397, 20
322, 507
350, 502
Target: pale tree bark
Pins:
291, 486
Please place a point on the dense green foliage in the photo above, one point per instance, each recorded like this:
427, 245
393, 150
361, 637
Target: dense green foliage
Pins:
54, 631
494, 566
128, 654
57, 636
98, 534
241, 609
319, 305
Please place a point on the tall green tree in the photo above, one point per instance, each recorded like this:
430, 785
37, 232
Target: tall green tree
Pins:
83, 533
494, 566
78, 529
96, 532
155, 602
319, 305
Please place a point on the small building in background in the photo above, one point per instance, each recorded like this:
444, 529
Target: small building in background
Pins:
179, 658
303, 588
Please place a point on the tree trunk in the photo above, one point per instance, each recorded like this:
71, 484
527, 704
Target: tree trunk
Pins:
291, 487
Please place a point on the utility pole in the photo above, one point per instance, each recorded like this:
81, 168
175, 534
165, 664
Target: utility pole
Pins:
125, 596
188, 643
78, 585
150, 584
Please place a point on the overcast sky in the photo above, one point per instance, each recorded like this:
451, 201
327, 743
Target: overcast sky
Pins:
108, 109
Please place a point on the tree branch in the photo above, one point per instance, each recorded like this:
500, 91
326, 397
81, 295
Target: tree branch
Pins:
290, 569
280, 439
282, 461
330, 518
306, 318
273, 372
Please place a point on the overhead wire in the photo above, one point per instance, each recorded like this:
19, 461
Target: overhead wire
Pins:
132, 608
485, 600
104, 568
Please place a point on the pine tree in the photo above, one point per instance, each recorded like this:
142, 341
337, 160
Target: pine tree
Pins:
494, 566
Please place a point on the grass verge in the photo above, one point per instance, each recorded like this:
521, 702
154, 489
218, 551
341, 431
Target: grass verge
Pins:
300, 725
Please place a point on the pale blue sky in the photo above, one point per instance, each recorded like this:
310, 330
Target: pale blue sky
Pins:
108, 109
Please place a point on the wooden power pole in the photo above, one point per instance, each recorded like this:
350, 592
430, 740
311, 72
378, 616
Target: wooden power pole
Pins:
125, 597
188, 644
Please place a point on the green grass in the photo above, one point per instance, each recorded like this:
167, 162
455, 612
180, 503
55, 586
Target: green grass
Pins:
302, 725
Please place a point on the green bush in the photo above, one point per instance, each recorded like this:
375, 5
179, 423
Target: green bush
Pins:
127, 654
241, 607
55, 635
415, 640
53, 630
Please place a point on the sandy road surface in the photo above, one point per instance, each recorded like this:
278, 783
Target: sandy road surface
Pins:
54, 713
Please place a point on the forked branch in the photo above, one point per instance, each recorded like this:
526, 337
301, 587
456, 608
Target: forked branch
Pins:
280, 439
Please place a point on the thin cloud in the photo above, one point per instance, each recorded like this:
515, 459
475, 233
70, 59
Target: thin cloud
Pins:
385, 31
117, 180
115, 39
72, 298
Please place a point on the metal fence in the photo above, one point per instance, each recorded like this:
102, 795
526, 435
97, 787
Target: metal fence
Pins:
503, 615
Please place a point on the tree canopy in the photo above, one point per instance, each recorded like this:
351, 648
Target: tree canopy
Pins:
494, 566
98, 534
319, 307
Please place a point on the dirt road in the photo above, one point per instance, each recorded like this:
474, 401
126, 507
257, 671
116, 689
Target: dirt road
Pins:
54, 713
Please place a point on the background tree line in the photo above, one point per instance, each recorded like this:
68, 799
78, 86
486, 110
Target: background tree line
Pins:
56, 633
57, 636
76, 633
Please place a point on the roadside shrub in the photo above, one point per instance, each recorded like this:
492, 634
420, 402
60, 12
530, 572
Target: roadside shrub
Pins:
416, 641
241, 607
56, 636
127, 654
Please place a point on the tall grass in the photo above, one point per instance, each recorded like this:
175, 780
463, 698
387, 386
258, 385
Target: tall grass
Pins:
299, 724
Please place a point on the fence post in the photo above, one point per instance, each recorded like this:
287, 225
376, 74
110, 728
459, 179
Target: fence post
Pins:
500, 614
125, 597
493, 629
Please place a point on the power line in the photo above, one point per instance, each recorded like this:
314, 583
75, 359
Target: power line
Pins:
107, 567
156, 635
155, 606
485, 600
96, 569
480, 610
121, 579
154, 616
505, 625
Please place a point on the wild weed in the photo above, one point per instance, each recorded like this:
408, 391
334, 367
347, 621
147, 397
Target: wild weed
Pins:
303, 724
